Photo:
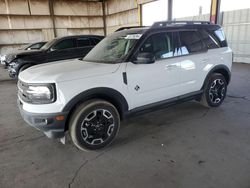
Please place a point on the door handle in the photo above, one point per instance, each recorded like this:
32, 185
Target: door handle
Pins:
172, 66
205, 60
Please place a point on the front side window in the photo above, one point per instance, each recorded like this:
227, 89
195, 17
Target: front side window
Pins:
83, 42
190, 42
161, 45
65, 44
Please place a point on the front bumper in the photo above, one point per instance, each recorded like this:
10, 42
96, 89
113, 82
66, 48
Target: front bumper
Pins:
46, 123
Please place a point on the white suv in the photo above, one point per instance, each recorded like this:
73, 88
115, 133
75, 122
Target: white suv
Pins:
129, 71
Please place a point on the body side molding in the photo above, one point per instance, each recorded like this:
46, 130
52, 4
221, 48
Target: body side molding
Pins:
164, 104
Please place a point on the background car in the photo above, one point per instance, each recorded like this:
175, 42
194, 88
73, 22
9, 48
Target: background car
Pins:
69, 47
33, 46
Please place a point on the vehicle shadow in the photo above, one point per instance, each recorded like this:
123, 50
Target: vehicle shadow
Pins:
8, 81
150, 124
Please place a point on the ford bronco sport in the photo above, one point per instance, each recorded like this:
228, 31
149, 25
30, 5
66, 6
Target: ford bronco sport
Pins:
129, 71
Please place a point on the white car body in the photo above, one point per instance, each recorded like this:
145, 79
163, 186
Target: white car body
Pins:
169, 74
181, 75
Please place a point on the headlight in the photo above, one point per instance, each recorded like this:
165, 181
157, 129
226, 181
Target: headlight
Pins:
3, 57
37, 94
13, 64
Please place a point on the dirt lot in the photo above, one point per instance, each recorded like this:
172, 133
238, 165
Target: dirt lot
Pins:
182, 146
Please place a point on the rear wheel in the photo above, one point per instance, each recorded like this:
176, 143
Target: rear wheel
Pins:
94, 125
214, 91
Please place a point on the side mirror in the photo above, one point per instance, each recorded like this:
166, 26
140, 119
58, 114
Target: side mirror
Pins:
145, 58
52, 49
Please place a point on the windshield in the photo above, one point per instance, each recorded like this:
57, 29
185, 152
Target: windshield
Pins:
48, 44
114, 48
36, 46
24, 47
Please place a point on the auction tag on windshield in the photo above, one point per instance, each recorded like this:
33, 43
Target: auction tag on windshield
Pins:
133, 36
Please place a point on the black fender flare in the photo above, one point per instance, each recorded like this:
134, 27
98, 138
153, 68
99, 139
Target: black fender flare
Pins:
109, 94
218, 69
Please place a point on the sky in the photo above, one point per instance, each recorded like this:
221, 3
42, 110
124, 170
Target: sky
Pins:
157, 11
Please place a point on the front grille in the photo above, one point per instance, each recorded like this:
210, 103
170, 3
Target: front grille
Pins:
22, 91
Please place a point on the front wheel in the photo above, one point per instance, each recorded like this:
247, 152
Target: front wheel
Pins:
214, 91
94, 125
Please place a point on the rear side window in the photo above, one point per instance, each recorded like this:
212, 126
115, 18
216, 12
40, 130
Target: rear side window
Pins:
65, 44
83, 42
209, 40
190, 42
160, 44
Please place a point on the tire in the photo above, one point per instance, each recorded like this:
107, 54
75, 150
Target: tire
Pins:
94, 125
215, 90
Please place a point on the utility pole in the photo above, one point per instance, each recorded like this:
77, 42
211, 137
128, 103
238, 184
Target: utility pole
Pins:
52, 15
170, 10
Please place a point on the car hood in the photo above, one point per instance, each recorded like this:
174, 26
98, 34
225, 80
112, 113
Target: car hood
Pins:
65, 71
22, 53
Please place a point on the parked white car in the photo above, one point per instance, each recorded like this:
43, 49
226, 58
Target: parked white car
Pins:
129, 71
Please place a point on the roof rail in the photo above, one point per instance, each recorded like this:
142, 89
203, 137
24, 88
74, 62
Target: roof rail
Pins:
129, 27
167, 23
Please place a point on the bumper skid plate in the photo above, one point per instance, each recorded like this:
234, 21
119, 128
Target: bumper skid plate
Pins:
46, 123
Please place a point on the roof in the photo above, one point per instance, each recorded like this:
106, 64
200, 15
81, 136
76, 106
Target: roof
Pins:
184, 25
172, 25
73, 36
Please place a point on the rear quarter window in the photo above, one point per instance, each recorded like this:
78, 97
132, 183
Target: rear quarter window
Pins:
220, 35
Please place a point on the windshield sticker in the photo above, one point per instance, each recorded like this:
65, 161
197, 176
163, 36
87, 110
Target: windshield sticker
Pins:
133, 36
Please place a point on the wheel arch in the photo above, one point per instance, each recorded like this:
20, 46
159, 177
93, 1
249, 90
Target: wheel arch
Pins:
222, 69
108, 94
24, 64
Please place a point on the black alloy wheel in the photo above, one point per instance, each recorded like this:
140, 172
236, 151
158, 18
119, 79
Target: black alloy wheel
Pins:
94, 124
